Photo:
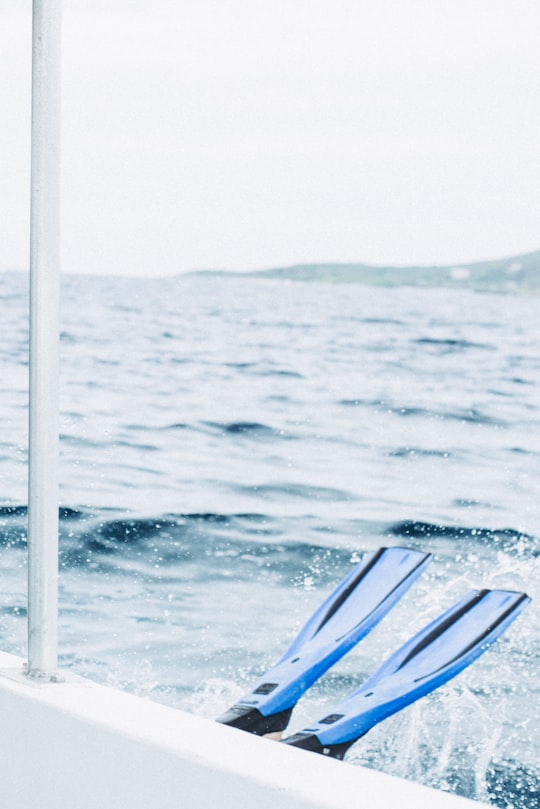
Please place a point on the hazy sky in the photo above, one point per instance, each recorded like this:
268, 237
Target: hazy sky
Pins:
254, 133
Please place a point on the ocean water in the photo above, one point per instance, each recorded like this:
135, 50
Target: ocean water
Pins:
229, 447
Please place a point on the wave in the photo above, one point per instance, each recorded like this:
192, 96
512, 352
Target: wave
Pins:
13, 511
452, 344
411, 452
261, 369
13, 523
247, 428
201, 545
507, 538
295, 490
471, 415
64, 512
214, 545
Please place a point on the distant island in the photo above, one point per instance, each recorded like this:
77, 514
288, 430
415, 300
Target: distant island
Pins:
514, 274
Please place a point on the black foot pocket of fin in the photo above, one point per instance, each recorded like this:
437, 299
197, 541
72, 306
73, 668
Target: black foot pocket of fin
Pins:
309, 741
252, 720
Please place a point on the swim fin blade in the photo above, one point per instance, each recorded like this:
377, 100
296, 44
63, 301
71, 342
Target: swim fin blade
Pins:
357, 604
428, 660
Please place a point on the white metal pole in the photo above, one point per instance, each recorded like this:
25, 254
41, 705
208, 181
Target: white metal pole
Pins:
44, 342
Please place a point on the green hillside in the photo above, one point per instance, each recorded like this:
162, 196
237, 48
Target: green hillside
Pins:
518, 273
514, 274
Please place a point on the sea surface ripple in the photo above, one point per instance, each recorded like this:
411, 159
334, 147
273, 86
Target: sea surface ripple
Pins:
229, 447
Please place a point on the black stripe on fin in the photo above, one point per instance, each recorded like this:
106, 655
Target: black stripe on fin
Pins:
352, 586
477, 641
356, 581
441, 628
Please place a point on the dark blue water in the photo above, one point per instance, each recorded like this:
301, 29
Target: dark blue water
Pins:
230, 447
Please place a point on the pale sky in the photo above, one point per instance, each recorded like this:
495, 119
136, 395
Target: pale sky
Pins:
240, 134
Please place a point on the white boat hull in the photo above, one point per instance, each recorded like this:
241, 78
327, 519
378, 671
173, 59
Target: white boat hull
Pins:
78, 745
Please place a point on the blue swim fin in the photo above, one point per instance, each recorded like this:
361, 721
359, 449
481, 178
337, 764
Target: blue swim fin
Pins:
357, 604
432, 657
